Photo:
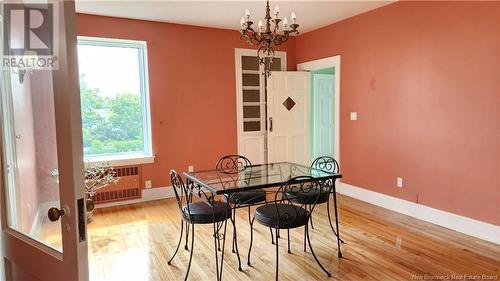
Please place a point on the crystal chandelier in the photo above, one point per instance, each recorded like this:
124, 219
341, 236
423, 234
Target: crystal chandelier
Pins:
267, 37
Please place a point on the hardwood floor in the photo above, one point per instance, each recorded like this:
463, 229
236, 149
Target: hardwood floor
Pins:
135, 242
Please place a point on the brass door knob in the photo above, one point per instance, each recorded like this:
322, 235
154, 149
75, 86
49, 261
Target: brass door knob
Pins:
54, 214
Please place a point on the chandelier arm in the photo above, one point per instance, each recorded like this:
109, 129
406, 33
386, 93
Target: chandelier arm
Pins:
258, 39
247, 38
284, 38
267, 38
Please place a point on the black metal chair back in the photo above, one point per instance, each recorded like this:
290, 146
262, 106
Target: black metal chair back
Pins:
182, 194
308, 188
326, 163
232, 164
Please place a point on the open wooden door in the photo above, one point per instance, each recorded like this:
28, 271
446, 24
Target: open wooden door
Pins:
289, 113
41, 141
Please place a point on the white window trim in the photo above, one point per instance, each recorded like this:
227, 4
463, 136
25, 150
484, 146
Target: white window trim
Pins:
122, 159
136, 158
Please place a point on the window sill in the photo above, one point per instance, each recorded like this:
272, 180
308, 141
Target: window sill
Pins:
122, 160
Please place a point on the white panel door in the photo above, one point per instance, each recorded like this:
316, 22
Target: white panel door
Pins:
323, 115
289, 113
252, 147
41, 155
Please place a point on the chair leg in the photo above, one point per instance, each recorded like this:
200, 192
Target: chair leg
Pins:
178, 244
272, 235
277, 254
310, 217
314, 255
233, 220
235, 241
330, 221
250, 221
218, 245
271, 231
223, 247
288, 233
191, 254
187, 237
216, 237
305, 250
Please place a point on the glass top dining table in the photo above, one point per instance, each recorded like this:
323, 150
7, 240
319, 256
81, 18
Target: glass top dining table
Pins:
255, 177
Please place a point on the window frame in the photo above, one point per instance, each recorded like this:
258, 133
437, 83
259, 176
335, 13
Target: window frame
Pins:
147, 156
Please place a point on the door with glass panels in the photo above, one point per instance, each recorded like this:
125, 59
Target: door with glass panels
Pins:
251, 104
42, 184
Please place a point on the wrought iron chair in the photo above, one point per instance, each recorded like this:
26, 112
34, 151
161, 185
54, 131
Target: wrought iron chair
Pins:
233, 165
287, 214
193, 213
328, 164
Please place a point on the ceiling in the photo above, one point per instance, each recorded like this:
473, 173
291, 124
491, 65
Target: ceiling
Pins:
226, 14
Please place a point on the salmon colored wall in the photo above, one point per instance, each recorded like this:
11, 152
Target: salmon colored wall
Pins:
424, 78
192, 85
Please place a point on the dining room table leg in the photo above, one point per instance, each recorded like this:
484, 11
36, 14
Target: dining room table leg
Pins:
336, 219
330, 221
216, 237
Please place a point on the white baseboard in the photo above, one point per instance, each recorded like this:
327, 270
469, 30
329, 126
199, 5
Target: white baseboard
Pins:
149, 194
472, 227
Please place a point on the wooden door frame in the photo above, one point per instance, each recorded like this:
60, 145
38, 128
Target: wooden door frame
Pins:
326, 63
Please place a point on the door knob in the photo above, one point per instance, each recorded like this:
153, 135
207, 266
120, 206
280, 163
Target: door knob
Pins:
54, 213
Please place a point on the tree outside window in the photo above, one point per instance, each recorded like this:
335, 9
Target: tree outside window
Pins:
113, 96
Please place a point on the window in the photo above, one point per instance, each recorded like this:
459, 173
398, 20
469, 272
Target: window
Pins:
114, 99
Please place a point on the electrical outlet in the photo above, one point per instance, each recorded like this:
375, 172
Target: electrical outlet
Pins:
148, 184
190, 168
354, 116
400, 182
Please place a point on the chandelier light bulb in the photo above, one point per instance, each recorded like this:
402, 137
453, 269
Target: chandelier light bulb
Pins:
276, 10
285, 22
247, 14
242, 21
261, 25
294, 17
